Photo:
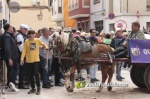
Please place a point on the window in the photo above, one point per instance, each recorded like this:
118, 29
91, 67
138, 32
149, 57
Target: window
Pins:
86, 2
148, 5
51, 2
59, 6
148, 26
99, 26
110, 5
111, 27
78, 25
96, 1
73, 3
76, 4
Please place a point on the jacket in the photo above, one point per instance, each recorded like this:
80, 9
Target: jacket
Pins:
8, 46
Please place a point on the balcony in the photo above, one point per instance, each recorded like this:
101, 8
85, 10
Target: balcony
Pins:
79, 10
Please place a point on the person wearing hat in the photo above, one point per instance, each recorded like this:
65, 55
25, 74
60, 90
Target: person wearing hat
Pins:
21, 36
114, 44
136, 33
118, 36
31, 53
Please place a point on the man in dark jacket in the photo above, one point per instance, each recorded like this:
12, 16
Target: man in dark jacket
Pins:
9, 53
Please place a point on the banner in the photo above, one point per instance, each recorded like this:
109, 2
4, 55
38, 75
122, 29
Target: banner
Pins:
139, 51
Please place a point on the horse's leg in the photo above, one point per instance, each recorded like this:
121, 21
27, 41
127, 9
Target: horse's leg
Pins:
104, 70
72, 77
67, 86
73, 80
110, 73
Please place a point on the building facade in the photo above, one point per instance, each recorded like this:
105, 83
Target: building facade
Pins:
80, 11
128, 11
68, 23
35, 13
96, 14
4, 12
60, 14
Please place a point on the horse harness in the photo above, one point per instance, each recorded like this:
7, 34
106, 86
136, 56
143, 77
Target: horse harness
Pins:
73, 49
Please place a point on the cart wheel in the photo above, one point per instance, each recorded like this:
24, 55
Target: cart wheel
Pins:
147, 77
137, 76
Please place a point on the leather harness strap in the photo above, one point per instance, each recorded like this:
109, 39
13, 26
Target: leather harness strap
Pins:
94, 51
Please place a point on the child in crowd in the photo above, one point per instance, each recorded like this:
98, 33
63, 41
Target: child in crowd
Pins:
31, 53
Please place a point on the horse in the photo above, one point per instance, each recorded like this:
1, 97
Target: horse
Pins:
63, 44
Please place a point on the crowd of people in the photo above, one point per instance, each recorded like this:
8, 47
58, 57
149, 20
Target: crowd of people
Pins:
25, 53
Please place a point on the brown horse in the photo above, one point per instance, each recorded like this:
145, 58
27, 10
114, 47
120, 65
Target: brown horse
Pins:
62, 42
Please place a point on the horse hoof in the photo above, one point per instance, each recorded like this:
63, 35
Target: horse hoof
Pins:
99, 89
69, 89
109, 88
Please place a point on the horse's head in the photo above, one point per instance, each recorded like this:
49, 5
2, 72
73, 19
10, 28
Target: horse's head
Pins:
60, 40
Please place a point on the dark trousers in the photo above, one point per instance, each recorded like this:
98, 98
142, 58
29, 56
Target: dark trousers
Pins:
12, 71
88, 70
56, 70
33, 71
22, 74
120, 52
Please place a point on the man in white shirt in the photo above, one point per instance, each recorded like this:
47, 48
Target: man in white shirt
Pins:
43, 55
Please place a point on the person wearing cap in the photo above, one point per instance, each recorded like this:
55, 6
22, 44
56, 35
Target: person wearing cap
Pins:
112, 33
118, 36
136, 33
114, 44
9, 53
31, 53
21, 36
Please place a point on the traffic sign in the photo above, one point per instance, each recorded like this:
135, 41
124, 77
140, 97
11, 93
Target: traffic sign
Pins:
111, 16
120, 24
14, 7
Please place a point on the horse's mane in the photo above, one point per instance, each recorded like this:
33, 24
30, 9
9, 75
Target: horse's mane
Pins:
63, 36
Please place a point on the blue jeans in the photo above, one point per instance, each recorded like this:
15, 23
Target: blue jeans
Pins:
118, 69
45, 72
12, 71
93, 70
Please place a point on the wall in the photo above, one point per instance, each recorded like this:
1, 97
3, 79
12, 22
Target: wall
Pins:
29, 16
95, 12
58, 17
68, 23
121, 13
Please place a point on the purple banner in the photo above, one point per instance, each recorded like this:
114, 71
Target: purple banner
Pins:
139, 51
